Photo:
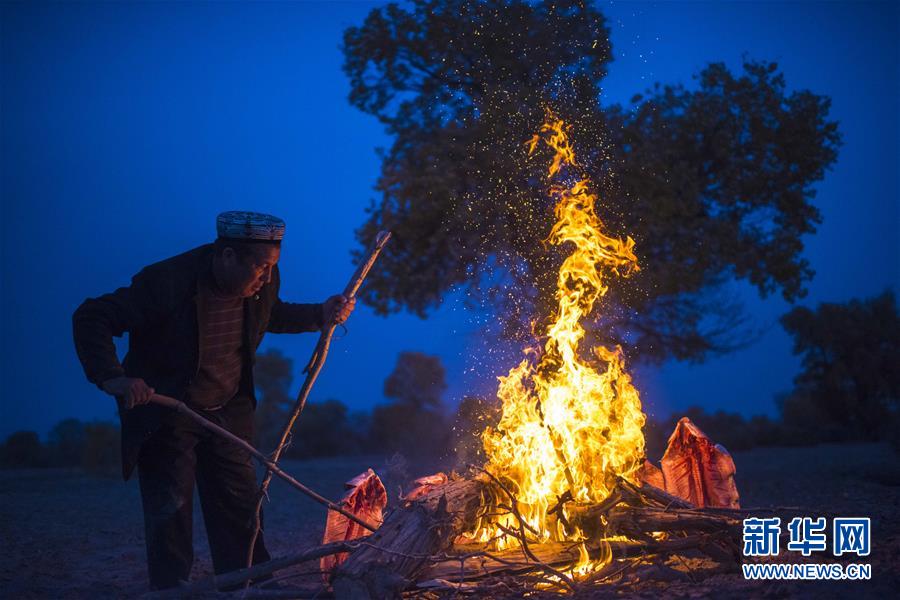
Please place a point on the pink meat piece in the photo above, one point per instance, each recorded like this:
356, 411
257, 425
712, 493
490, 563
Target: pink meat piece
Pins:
425, 485
697, 470
366, 498
650, 473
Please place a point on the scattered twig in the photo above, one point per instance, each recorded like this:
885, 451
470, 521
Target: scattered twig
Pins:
630, 564
690, 570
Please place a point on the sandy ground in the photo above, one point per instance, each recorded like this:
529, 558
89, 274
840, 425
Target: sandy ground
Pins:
65, 534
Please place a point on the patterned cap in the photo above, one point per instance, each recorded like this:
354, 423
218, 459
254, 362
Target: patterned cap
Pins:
249, 226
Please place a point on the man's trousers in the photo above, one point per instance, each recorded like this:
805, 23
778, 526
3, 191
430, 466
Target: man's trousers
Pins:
179, 453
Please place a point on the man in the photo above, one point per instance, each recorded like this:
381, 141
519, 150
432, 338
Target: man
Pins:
194, 323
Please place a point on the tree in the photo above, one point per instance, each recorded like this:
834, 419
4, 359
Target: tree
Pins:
712, 183
849, 376
324, 430
804, 422
417, 380
272, 377
413, 424
66, 443
23, 449
101, 449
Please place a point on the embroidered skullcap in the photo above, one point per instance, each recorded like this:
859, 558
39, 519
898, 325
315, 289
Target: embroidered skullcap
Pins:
249, 226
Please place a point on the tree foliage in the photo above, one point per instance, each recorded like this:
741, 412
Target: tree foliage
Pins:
418, 380
849, 383
323, 428
101, 454
66, 443
272, 376
93, 446
713, 182
23, 449
414, 423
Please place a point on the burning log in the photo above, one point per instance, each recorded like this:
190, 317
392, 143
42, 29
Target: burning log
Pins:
420, 546
424, 540
644, 513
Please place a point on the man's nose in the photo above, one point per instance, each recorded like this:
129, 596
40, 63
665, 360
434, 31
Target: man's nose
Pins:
268, 275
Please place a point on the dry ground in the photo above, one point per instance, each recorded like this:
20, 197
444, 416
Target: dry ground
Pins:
65, 534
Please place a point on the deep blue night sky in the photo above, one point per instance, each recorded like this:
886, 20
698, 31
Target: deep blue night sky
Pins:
127, 127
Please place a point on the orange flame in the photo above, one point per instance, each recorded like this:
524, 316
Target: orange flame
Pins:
569, 424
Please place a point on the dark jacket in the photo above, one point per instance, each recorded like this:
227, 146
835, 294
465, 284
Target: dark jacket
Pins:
160, 311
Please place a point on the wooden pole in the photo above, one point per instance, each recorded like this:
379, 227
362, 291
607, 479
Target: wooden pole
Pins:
233, 578
182, 408
312, 372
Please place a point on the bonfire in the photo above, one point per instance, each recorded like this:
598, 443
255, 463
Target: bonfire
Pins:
565, 498
566, 491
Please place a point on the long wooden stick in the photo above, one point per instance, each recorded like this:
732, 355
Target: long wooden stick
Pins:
312, 372
182, 408
233, 578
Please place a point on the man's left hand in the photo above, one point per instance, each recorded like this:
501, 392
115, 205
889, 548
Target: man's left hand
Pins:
338, 309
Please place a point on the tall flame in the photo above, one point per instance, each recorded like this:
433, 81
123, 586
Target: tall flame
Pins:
569, 423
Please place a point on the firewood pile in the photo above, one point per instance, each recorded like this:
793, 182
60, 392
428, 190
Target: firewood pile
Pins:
423, 547
423, 544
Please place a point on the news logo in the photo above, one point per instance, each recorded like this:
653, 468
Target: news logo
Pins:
806, 535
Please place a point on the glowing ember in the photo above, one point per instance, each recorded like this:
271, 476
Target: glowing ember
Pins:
569, 423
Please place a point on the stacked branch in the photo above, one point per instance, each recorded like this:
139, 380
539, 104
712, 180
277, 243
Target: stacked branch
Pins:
655, 523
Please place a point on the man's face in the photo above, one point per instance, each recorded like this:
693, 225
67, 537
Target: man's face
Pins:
245, 276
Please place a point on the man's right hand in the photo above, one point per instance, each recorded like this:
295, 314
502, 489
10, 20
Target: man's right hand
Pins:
134, 391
